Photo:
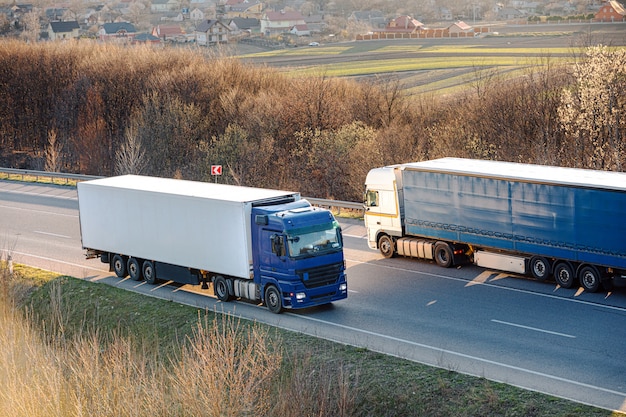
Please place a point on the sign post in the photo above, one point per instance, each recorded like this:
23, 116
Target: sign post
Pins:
216, 170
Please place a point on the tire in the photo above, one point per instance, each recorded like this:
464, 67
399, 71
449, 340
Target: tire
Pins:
539, 268
443, 254
590, 278
220, 287
564, 275
387, 246
118, 264
273, 300
134, 269
149, 273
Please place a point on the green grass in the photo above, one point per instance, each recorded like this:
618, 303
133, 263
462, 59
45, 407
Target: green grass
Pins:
430, 69
415, 58
380, 385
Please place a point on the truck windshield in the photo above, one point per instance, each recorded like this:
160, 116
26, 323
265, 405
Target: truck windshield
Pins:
312, 241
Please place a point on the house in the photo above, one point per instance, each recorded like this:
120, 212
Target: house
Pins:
444, 13
315, 23
172, 17
374, 18
53, 13
169, 32
196, 15
63, 30
204, 5
459, 28
510, 13
528, 7
19, 10
611, 11
238, 25
245, 8
280, 22
211, 32
300, 30
121, 32
162, 6
404, 24
146, 39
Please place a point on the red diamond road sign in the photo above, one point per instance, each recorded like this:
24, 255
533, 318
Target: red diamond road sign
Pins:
216, 170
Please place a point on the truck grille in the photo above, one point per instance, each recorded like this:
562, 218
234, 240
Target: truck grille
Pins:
320, 276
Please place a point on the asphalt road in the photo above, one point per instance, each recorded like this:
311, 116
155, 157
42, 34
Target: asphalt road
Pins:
534, 335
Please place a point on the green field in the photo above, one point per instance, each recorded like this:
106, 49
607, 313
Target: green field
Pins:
425, 68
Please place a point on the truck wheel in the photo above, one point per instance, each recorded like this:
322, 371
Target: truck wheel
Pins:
539, 267
220, 287
386, 246
564, 274
273, 300
119, 266
149, 273
590, 278
134, 270
443, 254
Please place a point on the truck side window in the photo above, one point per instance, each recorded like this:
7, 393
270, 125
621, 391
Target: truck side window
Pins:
278, 245
371, 198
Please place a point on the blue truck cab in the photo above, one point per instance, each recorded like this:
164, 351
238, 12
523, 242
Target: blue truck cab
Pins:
298, 257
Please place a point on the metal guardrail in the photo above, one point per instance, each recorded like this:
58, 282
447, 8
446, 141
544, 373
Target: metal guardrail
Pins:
8, 172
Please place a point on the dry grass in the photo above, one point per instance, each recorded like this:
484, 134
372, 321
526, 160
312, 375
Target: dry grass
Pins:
222, 367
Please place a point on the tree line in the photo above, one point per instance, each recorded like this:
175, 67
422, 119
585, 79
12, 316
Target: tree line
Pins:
106, 110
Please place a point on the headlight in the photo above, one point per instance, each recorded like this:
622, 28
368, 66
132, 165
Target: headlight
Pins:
343, 287
300, 296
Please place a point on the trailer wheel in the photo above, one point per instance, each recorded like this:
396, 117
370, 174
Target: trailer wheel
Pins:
273, 300
149, 273
590, 278
564, 274
443, 254
539, 267
220, 286
134, 269
119, 266
386, 246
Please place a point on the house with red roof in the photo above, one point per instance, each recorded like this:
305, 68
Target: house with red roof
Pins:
611, 11
169, 32
460, 28
404, 24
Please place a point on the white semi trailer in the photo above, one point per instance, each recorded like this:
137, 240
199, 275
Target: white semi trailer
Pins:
258, 244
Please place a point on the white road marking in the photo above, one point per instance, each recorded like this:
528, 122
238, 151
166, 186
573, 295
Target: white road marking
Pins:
62, 197
39, 211
533, 328
355, 236
51, 234
56, 260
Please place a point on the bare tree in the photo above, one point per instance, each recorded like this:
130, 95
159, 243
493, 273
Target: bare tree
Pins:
53, 152
130, 158
32, 26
